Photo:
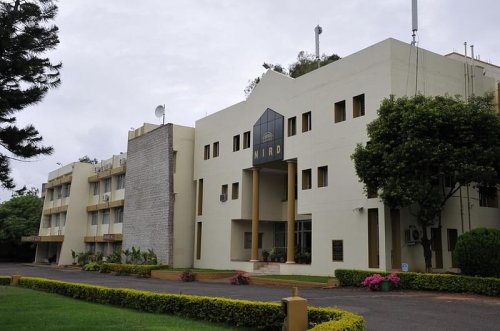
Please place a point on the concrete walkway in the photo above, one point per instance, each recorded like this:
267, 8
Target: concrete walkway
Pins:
396, 310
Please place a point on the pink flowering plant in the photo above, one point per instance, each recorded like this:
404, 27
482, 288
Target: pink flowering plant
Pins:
186, 276
373, 281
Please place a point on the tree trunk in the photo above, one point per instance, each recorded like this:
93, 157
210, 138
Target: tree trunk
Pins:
426, 244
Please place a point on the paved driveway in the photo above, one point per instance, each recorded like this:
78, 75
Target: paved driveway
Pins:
396, 310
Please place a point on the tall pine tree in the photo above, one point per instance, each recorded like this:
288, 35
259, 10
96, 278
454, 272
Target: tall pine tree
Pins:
26, 75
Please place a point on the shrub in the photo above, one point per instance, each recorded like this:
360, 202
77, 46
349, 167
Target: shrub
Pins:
238, 313
5, 280
187, 276
143, 270
239, 279
478, 252
428, 281
92, 266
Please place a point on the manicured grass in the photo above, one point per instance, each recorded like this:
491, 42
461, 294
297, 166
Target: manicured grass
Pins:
300, 278
23, 309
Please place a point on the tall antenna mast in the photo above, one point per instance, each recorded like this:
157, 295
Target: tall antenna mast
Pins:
317, 32
414, 20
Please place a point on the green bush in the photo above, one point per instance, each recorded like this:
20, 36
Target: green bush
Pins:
478, 252
143, 270
239, 313
92, 266
5, 280
428, 281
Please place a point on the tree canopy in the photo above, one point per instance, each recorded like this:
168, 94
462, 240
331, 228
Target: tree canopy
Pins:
87, 159
421, 150
306, 62
26, 75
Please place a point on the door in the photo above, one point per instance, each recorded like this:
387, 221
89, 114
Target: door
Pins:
396, 239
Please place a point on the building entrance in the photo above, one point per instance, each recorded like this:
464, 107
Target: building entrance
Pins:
303, 240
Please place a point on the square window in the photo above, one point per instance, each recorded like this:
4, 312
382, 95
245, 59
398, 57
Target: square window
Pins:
306, 122
206, 152
371, 193
358, 106
306, 179
292, 126
246, 140
235, 191
488, 197
338, 250
236, 143
323, 176
216, 149
340, 111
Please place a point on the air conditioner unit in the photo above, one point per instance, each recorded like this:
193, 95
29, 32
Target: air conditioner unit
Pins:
123, 162
412, 235
105, 197
223, 197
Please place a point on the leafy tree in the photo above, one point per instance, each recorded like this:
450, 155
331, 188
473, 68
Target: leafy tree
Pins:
25, 75
306, 62
423, 149
20, 216
87, 159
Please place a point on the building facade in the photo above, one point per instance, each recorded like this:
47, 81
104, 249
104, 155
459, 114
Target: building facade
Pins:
271, 174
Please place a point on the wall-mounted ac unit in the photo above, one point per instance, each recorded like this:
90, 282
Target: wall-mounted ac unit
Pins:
412, 235
105, 197
123, 162
223, 197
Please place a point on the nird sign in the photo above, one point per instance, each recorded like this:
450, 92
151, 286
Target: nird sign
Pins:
268, 138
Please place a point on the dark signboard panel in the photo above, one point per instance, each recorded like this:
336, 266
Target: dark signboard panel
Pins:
268, 138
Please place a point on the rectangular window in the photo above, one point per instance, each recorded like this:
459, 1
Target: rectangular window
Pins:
306, 179
198, 240
206, 152
340, 111
200, 197
216, 149
292, 126
371, 193
452, 239
57, 220
235, 191
358, 106
223, 193
50, 193
338, 250
120, 182
93, 218
105, 216
174, 161
63, 219
107, 185
248, 240
488, 197
66, 190
95, 188
118, 215
323, 176
246, 140
236, 143
58, 192
306, 122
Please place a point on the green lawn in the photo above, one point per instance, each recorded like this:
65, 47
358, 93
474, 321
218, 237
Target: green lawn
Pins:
23, 309
300, 278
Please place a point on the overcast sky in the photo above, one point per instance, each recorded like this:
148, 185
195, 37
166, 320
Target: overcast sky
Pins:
122, 58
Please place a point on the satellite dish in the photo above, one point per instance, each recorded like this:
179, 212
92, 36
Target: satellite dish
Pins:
160, 112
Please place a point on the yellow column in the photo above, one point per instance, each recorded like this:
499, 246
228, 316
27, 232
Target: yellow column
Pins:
290, 256
255, 215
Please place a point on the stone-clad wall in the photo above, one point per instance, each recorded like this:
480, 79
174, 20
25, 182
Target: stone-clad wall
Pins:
148, 214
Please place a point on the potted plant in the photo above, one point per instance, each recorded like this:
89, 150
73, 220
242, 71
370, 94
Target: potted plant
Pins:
377, 282
265, 255
272, 254
74, 255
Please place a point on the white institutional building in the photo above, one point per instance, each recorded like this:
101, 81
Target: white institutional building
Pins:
272, 174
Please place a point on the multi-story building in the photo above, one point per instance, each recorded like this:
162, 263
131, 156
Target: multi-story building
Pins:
84, 204
271, 173
274, 172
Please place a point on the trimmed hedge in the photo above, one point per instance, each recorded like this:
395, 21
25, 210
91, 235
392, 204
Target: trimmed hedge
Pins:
240, 313
136, 269
5, 280
427, 281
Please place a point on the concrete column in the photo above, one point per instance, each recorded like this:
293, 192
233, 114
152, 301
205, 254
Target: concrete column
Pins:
255, 215
290, 256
